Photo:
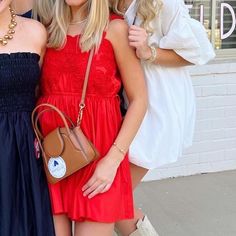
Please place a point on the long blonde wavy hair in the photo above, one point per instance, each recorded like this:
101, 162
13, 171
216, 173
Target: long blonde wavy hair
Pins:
147, 10
97, 12
43, 10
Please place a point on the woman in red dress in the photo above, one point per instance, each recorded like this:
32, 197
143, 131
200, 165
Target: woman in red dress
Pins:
100, 194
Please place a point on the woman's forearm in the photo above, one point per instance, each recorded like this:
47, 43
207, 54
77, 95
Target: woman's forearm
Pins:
138, 38
130, 126
167, 57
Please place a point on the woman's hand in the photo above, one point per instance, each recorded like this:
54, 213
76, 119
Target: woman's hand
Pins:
103, 176
138, 38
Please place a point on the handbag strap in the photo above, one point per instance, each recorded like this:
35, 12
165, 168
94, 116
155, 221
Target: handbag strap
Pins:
49, 108
35, 125
82, 101
62, 115
34, 121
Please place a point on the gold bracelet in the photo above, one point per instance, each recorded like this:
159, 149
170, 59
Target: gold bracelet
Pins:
154, 54
119, 149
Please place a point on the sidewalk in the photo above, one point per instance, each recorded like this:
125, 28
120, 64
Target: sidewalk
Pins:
201, 205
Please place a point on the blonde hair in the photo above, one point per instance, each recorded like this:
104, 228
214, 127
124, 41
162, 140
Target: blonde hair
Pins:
147, 10
43, 10
97, 20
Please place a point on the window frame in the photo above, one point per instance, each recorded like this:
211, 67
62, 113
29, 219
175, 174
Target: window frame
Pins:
225, 53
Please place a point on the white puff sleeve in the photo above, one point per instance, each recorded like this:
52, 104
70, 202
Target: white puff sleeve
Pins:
186, 36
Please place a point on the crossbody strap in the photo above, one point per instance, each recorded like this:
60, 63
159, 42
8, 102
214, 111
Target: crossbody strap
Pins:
82, 101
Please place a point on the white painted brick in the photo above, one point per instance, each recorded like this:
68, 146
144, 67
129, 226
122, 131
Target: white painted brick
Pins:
212, 156
214, 68
190, 170
216, 90
217, 101
203, 125
219, 123
211, 145
197, 136
231, 78
230, 111
230, 122
230, 143
231, 89
203, 80
175, 164
224, 165
188, 159
211, 113
224, 78
203, 103
164, 173
230, 154
213, 124
198, 91
198, 168
209, 135
177, 171
230, 100
197, 71
213, 79
230, 133
231, 67
207, 146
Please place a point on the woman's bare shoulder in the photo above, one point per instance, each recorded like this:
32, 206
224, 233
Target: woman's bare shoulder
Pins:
117, 28
34, 30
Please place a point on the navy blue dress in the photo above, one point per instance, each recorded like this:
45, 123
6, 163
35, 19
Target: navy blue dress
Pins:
24, 200
27, 14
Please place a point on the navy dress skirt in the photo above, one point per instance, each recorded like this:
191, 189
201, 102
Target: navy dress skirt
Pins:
24, 200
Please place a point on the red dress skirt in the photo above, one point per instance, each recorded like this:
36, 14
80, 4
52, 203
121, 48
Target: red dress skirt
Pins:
61, 85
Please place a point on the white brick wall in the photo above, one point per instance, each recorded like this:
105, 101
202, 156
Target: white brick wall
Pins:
214, 146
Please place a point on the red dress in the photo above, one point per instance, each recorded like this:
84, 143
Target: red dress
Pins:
62, 81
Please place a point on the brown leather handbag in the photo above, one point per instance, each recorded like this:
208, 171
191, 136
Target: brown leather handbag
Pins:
65, 150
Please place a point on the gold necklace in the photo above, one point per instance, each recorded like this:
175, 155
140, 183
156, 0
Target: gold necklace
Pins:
9, 35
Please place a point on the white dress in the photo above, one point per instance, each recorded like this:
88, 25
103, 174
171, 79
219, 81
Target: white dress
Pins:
168, 125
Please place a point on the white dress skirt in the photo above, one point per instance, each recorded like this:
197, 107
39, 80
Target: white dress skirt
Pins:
168, 125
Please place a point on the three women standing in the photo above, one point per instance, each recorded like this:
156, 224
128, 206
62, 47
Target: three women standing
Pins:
167, 40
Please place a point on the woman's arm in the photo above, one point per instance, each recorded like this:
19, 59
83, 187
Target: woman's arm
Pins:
138, 38
133, 81
134, 84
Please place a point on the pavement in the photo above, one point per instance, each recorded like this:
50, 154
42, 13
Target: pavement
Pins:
201, 205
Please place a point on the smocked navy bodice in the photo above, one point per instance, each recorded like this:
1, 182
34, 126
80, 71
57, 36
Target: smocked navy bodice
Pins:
19, 75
